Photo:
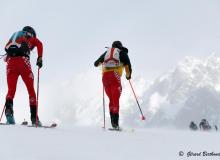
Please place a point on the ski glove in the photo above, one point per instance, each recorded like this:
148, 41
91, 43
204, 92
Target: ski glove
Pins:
128, 77
39, 62
128, 72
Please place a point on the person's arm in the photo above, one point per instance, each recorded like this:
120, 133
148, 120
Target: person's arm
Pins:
36, 42
126, 61
100, 60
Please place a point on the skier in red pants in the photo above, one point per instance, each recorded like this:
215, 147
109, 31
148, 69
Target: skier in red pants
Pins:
18, 51
113, 61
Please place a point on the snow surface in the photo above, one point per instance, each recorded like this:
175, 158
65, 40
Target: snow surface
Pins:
93, 143
190, 91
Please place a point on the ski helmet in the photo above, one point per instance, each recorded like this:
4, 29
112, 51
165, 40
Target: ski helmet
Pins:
30, 30
117, 44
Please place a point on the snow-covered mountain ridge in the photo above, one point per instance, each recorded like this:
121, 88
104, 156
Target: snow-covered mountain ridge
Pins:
191, 91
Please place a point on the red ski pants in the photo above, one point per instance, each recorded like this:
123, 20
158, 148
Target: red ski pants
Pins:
20, 66
112, 84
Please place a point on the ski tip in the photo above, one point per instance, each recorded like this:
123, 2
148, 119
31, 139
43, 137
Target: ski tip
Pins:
142, 118
53, 125
24, 123
1, 123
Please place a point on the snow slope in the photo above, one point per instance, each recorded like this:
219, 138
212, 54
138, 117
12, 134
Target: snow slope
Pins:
87, 143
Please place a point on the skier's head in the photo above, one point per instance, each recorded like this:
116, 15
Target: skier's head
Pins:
31, 32
117, 44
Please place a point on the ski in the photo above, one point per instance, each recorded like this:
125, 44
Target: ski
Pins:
115, 129
7, 124
4, 123
131, 130
24, 123
53, 125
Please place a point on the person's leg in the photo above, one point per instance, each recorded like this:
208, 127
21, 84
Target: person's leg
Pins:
116, 90
110, 96
9, 113
28, 78
106, 79
12, 78
112, 84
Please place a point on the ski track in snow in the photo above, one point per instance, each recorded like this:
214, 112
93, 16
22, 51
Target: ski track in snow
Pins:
93, 143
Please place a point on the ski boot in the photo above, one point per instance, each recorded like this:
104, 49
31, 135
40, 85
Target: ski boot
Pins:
114, 121
33, 121
9, 113
33, 117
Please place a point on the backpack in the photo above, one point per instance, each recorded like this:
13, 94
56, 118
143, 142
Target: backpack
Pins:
112, 59
18, 45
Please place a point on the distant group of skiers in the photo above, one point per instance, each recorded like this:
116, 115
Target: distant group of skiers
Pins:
203, 125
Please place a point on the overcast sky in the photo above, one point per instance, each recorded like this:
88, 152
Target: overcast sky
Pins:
157, 33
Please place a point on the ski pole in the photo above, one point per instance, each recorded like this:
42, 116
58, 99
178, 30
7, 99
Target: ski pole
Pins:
2, 113
143, 118
104, 106
38, 82
103, 101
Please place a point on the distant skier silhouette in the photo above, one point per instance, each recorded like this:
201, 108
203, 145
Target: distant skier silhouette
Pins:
193, 126
204, 125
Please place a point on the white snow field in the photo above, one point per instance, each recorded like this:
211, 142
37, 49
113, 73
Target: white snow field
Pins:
93, 143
